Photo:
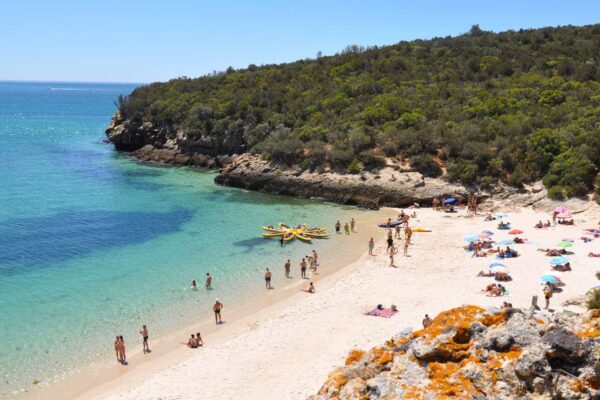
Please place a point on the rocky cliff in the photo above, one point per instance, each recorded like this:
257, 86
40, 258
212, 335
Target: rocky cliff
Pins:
387, 187
392, 186
470, 353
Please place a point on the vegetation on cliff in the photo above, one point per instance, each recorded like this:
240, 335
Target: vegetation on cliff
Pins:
516, 106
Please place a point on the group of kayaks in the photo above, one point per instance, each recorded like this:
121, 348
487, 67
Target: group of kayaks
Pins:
287, 233
394, 224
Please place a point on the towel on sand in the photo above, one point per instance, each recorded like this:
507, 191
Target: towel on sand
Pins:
385, 313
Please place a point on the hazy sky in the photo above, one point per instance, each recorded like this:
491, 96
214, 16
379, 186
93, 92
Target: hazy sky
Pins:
144, 41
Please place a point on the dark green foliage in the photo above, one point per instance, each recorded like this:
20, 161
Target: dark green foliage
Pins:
354, 167
514, 107
426, 165
594, 299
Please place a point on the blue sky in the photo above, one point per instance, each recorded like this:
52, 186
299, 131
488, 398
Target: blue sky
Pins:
144, 41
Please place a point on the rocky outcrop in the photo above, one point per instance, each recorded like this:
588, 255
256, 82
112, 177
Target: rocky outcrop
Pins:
470, 353
174, 146
388, 187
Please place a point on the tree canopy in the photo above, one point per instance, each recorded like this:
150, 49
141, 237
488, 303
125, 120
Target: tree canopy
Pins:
483, 107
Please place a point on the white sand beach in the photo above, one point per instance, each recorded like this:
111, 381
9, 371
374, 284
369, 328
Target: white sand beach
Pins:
286, 350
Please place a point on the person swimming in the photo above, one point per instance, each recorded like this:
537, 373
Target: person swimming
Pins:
194, 285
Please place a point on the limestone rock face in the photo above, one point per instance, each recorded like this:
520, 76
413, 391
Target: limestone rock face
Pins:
366, 190
470, 353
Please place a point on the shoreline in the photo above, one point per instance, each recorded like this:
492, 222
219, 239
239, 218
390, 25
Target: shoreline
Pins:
106, 376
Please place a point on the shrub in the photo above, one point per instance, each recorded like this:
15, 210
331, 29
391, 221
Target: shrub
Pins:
340, 158
594, 300
371, 159
557, 193
354, 167
426, 165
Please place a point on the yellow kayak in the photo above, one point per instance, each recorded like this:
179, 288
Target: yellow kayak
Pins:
301, 236
420, 230
273, 234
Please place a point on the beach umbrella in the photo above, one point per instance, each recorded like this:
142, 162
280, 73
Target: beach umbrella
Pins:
559, 260
563, 216
506, 242
488, 232
515, 232
450, 200
501, 214
565, 244
497, 267
484, 235
549, 279
471, 238
561, 209
556, 274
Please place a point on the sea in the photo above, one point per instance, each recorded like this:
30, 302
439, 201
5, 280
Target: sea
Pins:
94, 244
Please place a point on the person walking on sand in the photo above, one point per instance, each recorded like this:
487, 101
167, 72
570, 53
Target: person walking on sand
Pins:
268, 279
554, 215
144, 333
393, 252
547, 295
338, 226
316, 258
406, 243
217, 307
352, 225
397, 231
407, 234
390, 243
303, 268
287, 266
117, 348
122, 350
346, 228
208, 281
371, 246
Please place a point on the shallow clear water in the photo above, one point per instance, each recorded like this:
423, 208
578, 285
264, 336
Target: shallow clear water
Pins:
93, 244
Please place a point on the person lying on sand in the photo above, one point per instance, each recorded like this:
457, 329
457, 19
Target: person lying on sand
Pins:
566, 222
503, 277
539, 225
590, 254
490, 287
519, 240
488, 273
586, 239
497, 291
562, 267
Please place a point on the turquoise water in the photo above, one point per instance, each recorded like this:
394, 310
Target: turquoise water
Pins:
93, 244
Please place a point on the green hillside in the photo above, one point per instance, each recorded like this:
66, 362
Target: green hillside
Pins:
515, 106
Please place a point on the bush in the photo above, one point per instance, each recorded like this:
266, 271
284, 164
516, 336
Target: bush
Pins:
371, 159
594, 300
426, 165
557, 193
354, 167
462, 171
340, 158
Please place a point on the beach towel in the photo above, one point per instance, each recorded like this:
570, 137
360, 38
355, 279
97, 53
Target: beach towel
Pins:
385, 313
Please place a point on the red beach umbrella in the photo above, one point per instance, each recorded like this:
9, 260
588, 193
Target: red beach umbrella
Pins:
515, 232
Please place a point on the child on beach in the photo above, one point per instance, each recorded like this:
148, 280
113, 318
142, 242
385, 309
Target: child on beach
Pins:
371, 246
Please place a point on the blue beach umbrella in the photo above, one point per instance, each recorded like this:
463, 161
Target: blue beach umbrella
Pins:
488, 232
549, 279
450, 200
559, 260
505, 242
496, 265
471, 238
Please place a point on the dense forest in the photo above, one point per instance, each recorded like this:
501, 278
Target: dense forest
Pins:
483, 107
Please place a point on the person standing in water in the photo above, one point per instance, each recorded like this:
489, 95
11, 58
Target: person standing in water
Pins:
303, 268
217, 307
346, 228
352, 225
268, 279
371, 246
208, 281
117, 349
316, 261
144, 333
338, 226
281, 240
287, 266
194, 286
122, 350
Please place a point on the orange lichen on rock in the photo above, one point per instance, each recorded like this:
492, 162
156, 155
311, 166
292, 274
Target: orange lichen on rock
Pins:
334, 383
590, 329
447, 381
494, 319
354, 356
460, 317
381, 356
